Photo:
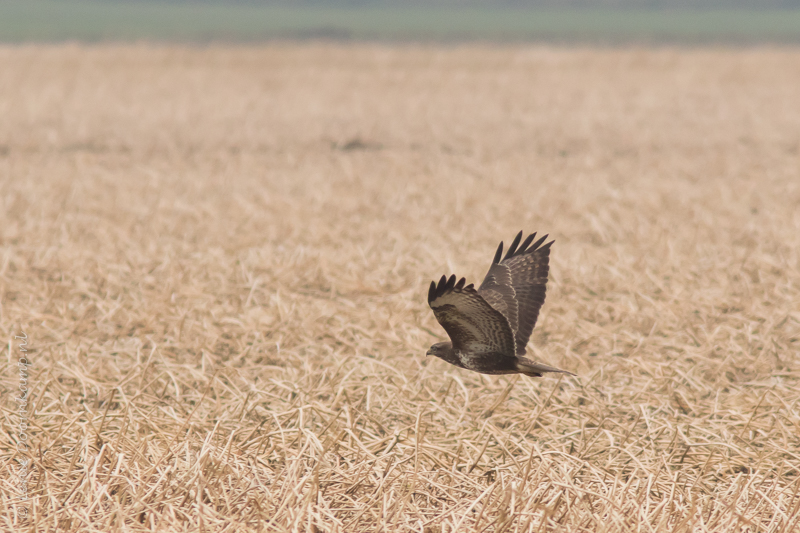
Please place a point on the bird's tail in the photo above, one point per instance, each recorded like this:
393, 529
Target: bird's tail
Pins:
529, 368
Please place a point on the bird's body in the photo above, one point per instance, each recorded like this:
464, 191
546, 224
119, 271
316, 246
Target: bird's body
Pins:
490, 327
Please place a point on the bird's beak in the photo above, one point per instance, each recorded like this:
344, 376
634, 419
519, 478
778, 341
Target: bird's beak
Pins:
428, 353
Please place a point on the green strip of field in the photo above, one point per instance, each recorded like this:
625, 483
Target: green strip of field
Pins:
94, 20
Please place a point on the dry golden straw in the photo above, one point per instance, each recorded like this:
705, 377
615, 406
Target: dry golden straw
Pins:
221, 258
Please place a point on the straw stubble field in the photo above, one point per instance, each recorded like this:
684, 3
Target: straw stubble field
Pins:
220, 257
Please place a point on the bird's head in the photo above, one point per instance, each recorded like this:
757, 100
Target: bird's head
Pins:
441, 350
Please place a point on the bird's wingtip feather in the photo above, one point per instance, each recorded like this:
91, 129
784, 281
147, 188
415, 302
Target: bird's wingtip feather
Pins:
513, 247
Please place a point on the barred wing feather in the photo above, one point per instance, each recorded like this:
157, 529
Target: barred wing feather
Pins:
516, 284
471, 323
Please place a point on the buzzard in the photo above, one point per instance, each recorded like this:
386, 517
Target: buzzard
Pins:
490, 327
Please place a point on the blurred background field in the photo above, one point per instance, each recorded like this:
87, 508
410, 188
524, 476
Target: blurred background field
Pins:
607, 22
220, 256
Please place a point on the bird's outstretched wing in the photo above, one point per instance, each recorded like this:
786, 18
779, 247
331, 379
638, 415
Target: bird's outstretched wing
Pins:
472, 324
515, 285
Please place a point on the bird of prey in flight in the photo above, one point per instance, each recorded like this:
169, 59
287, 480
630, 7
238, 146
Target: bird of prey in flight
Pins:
490, 327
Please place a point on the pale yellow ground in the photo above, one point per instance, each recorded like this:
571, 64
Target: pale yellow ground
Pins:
220, 257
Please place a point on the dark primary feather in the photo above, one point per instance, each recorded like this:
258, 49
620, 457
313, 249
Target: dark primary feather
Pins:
446, 285
516, 285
